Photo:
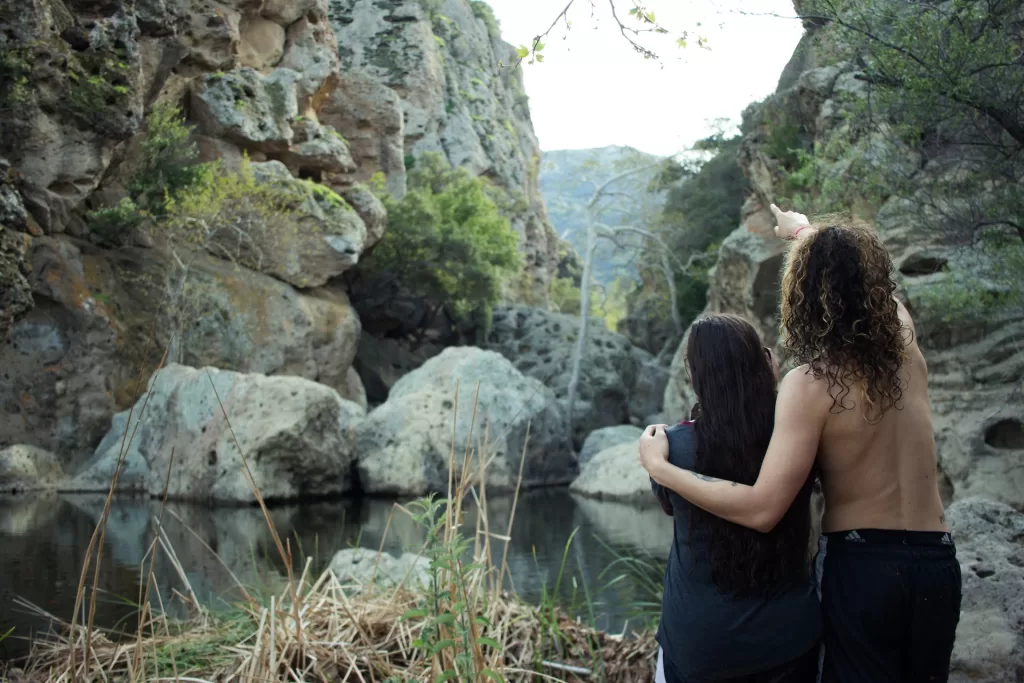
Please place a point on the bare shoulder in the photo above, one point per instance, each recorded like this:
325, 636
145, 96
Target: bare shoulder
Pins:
907, 321
800, 386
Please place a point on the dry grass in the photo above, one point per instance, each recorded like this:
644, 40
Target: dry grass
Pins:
461, 625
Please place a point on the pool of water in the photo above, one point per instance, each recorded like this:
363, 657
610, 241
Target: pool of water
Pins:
43, 541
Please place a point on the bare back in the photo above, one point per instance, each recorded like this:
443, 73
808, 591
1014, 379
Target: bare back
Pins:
883, 475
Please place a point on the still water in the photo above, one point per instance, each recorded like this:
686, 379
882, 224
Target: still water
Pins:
43, 543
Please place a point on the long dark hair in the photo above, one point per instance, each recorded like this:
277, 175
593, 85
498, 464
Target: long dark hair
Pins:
734, 382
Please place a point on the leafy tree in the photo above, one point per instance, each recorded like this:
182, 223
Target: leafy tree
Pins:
447, 239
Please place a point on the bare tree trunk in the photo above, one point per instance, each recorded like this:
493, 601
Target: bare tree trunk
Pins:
581, 337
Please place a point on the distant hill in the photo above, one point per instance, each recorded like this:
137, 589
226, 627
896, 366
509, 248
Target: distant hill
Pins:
568, 179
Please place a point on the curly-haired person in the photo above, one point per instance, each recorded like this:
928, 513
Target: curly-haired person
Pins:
857, 406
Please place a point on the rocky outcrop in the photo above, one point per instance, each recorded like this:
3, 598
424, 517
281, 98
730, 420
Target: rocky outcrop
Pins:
103, 318
364, 567
404, 446
458, 95
974, 366
989, 540
316, 114
607, 437
615, 474
745, 280
541, 344
296, 439
310, 236
27, 468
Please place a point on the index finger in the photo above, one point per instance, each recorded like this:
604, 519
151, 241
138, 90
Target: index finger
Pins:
776, 210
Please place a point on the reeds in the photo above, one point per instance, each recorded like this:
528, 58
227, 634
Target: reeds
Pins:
458, 624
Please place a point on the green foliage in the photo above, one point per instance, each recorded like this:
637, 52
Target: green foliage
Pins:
447, 239
15, 73
100, 84
111, 223
564, 296
168, 166
452, 611
703, 209
981, 280
642, 574
169, 161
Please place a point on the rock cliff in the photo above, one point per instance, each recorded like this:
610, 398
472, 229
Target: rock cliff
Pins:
444, 77
305, 100
975, 367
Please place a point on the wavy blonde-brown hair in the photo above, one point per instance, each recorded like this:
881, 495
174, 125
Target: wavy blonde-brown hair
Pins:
839, 316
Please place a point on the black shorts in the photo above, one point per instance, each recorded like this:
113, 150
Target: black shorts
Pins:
891, 603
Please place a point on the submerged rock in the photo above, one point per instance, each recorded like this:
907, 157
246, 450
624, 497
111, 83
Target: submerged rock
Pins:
606, 437
362, 566
404, 446
297, 437
989, 539
28, 468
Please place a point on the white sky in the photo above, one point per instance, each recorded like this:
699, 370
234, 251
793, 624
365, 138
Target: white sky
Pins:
592, 90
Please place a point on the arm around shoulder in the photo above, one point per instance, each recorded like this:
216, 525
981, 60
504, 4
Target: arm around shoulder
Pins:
800, 414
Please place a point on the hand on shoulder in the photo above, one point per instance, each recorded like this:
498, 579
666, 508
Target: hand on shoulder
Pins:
653, 450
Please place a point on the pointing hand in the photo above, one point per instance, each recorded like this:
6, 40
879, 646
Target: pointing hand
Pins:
790, 223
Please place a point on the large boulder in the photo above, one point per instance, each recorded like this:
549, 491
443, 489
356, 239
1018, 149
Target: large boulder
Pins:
102, 319
27, 468
615, 474
296, 439
606, 437
542, 344
989, 539
404, 446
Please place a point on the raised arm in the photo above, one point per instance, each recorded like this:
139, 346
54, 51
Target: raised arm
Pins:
800, 416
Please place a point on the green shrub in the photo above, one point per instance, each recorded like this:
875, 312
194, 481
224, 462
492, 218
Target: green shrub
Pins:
169, 161
110, 223
168, 167
446, 238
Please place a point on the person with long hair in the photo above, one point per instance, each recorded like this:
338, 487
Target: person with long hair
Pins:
738, 605
858, 406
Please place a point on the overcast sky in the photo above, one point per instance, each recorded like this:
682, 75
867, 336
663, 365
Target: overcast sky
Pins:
592, 90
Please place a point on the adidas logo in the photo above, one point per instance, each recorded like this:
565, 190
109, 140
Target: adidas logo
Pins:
853, 536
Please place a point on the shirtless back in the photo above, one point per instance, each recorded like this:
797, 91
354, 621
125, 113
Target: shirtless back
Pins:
881, 475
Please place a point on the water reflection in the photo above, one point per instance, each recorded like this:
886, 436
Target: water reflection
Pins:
43, 541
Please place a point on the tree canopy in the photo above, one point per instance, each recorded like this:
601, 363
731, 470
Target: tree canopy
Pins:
447, 239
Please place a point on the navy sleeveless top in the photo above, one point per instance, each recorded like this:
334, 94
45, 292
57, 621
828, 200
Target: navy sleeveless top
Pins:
707, 634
